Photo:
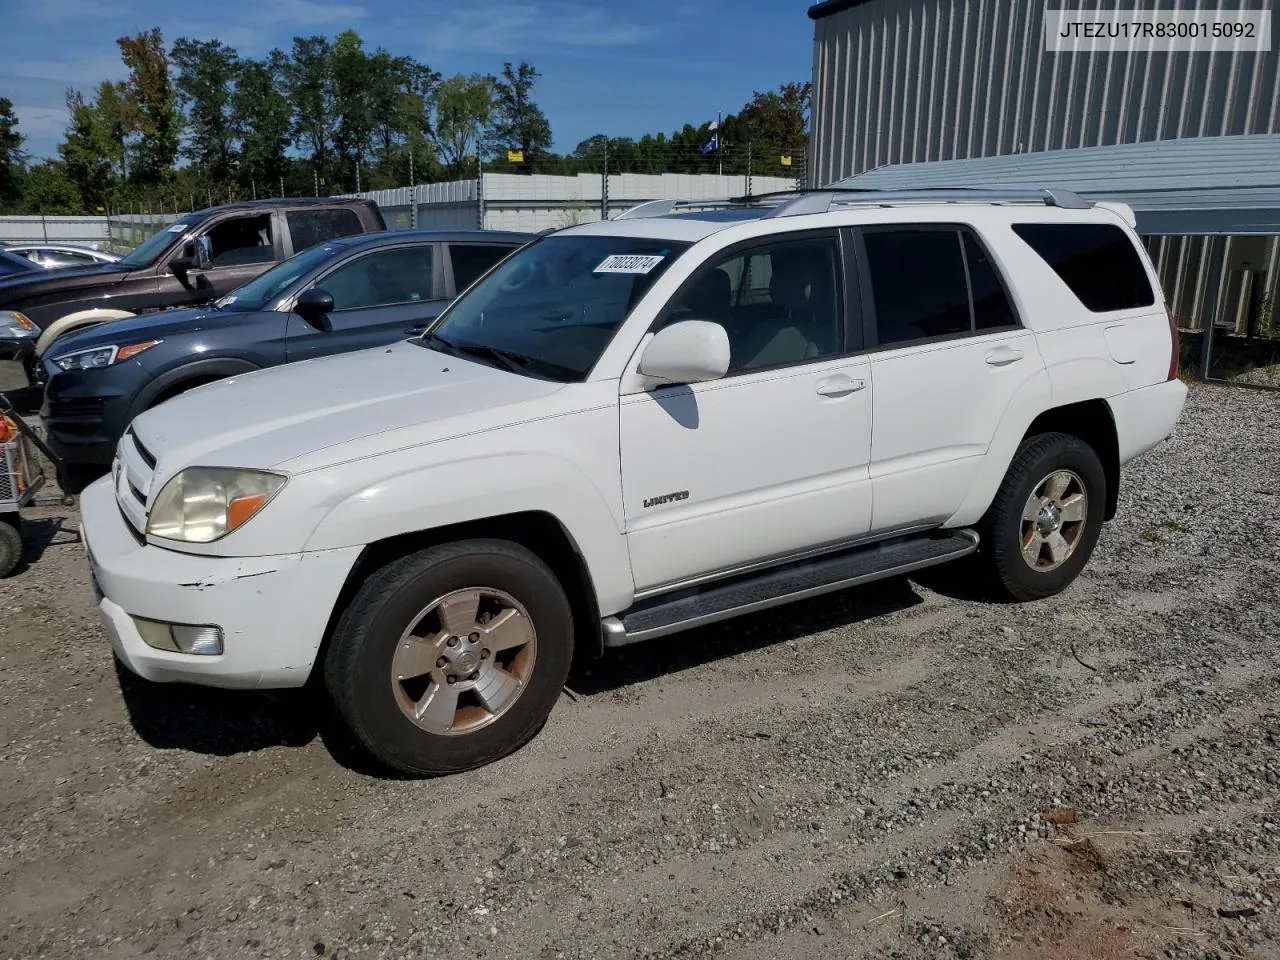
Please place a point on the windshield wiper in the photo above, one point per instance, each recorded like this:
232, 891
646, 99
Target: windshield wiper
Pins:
512, 361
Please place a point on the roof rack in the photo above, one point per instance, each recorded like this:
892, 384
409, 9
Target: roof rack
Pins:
793, 203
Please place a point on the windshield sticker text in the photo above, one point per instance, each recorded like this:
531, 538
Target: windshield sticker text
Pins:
628, 263
177, 228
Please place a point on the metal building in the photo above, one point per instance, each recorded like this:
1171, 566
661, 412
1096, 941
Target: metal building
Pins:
1208, 209
905, 81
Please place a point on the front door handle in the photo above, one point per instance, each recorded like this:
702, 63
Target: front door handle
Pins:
839, 386
1003, 356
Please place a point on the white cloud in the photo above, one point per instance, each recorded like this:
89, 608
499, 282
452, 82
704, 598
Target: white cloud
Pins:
512, 27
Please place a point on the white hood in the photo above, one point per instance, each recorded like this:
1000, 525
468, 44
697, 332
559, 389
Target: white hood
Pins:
269, 417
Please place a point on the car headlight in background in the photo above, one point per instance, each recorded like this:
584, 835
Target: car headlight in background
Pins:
96, 357
203, 504
16, 326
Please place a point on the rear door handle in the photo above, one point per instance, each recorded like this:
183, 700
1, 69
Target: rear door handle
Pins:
839, 386
1003, 356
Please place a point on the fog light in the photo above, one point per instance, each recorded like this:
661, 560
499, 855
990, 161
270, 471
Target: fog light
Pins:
180, 637
205, 641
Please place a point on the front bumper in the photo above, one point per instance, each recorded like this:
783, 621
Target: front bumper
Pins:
273, 611
85, 412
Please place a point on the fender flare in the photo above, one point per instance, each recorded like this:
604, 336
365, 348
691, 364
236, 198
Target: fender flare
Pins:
213, 368
77, 320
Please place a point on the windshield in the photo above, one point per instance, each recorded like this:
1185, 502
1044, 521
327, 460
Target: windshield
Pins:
553, 306
266, 286
145, 253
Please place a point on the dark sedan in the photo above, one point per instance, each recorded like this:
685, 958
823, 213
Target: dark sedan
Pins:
347, 294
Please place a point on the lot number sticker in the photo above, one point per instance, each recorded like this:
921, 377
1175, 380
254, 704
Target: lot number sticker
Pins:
628, 263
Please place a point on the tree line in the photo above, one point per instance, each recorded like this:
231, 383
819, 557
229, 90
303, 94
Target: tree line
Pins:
197, 123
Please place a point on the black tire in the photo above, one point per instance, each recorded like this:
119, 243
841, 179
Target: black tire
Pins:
1001, 529
10, 547
357, 666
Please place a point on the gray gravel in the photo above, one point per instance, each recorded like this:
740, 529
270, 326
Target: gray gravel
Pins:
865, 775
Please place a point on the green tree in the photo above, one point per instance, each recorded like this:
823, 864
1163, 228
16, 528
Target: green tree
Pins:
263, 121
206, 74
48, 189
87, 152
151, 92
308, 75
119, 117
518, 122
464, 105
12, 159
778, 120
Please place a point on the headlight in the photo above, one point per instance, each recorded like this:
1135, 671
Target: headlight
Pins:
16, 326
96, 357
203, 504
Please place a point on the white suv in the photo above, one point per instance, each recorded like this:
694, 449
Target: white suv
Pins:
629, 428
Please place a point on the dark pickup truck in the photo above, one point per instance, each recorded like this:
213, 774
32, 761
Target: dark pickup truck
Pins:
199, 257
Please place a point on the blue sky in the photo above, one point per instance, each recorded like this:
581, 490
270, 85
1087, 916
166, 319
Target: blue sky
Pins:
607, 67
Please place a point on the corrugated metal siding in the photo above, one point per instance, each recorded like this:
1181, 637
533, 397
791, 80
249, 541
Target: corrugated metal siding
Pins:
65, 229
899, 81
1184, 186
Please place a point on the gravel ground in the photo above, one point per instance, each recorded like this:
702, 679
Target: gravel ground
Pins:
896, 772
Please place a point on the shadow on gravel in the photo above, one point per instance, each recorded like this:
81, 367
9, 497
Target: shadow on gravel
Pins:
683, 651
171, 716
41, 533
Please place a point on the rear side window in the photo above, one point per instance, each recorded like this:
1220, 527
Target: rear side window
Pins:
1096, 260
309, 227
929, 283
471, 260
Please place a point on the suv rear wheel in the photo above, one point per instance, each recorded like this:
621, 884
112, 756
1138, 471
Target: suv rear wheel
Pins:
1045, 520
451, 657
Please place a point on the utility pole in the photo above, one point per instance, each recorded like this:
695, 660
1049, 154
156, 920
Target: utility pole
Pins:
719, 144
357, 175
748, 169
604, 184
315, 177
282, 185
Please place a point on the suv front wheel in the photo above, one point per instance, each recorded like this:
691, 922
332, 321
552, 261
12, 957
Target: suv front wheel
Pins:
1045, 520
451, 657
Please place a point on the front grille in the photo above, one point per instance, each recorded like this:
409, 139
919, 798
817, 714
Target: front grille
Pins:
143, 452
133, 470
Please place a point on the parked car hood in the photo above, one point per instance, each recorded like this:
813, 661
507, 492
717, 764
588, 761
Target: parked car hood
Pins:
271, 417
148, 326
41, 281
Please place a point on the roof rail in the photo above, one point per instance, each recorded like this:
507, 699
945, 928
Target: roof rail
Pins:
795, 203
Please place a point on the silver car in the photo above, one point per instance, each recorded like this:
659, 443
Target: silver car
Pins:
52, 255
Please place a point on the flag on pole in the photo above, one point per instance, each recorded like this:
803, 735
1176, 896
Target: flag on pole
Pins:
713, 125
711, 146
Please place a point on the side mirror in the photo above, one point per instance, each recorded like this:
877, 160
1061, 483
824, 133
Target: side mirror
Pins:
196, 254
314, 306
690, 351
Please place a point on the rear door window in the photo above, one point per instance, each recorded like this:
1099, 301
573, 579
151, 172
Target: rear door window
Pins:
1096, 260
930, 282
471, 260
309, 227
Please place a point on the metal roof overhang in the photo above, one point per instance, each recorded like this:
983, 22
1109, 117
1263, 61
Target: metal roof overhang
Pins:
1208, 186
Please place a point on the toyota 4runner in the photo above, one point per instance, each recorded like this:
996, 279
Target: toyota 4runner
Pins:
629, 428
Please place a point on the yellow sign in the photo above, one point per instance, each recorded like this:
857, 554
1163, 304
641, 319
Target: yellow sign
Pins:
785, 160
515, 156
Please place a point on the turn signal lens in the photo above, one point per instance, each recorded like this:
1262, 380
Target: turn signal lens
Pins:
133, 349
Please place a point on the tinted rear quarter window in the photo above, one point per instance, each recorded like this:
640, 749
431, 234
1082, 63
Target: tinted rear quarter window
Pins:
309, 227
1096, 260
471, 260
